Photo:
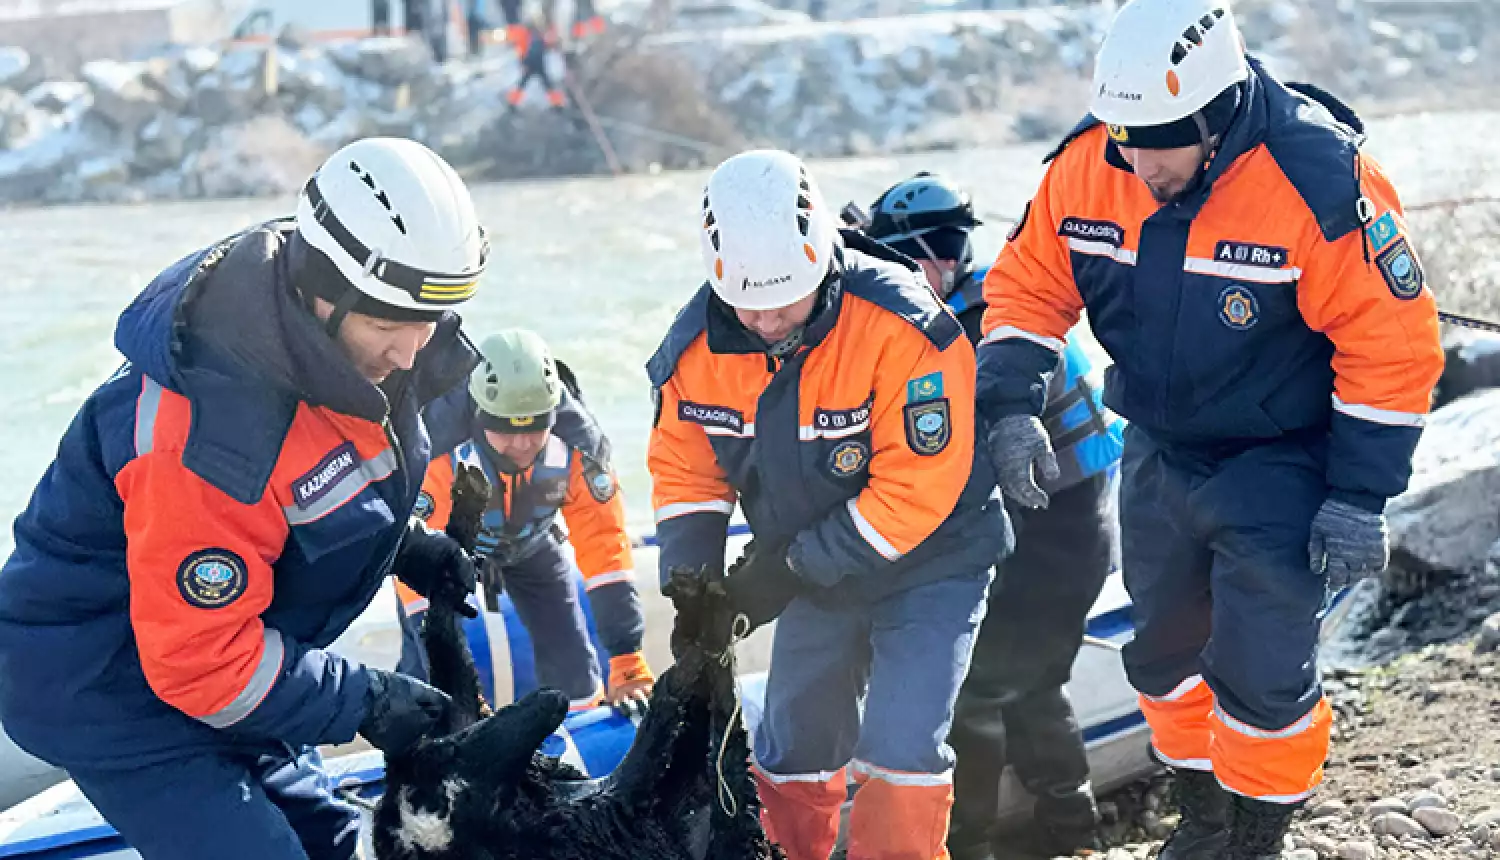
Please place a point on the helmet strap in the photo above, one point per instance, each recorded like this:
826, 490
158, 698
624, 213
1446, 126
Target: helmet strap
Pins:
341, 309
949, 276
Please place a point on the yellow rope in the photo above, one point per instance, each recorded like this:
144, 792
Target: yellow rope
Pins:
738, 632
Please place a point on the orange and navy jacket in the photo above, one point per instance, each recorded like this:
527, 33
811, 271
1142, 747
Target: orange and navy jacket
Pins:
858, 450
572, 477
1282, 296
206, 530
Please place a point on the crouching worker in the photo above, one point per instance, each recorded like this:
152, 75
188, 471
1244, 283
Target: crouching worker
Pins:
818, 382
228, 501
544, 454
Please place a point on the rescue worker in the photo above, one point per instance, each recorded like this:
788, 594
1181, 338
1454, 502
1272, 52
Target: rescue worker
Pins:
1013, 708
1275, 348
544, 454
228, 501
533, 44
586, 20
815, 380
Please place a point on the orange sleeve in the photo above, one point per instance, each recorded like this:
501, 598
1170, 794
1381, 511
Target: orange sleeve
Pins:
685, 475
1030, 290
1367, 293
689, 490
597, 528
922, 454
435, 504
1387, 350
911, 490
200, 574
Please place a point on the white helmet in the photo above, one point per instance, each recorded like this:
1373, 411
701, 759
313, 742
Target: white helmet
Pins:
767, 237
397, 222
1165, 60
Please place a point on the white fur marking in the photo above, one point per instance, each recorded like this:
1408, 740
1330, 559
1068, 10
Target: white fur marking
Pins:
428, 831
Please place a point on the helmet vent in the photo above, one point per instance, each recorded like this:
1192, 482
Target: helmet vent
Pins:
1194, 35
380, 196
803, 223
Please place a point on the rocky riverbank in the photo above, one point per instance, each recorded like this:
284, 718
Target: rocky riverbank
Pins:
255, 119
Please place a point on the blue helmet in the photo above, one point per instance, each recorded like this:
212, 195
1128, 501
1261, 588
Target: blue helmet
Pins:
918, 206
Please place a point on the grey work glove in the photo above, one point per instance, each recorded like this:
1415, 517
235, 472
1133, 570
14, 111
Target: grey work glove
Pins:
1348, 544
1018, 447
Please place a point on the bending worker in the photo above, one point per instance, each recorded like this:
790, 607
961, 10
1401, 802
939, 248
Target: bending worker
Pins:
818, 382
228, 501
544, 454
1275, 348
1013, 708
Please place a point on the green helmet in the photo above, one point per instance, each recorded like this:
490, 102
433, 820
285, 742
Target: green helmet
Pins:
516, 385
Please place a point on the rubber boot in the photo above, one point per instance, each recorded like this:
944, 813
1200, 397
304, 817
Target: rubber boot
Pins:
1203, 832
1067, 821
1259, 828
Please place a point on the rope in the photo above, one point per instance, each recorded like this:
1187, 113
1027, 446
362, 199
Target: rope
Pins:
663, 136
354, 798
1469, 322
727, 801
600, 137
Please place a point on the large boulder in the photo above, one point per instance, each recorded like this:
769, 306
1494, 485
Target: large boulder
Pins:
1472, 363
1447, 519
29, 173
65, 99
17, 70
164, 142
387, 60
18, 120
309, 78
236, 89
261, 157
121, 96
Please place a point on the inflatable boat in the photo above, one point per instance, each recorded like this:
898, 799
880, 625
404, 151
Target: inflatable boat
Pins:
59, 823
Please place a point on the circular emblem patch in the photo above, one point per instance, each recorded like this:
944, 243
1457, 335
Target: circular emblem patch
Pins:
848, 458
1238, 308
424, 506
211, 578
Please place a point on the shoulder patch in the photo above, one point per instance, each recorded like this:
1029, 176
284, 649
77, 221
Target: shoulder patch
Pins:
1382, 232
928, 427
424, 507
1401, 269
924, 388
599, 478
212, 578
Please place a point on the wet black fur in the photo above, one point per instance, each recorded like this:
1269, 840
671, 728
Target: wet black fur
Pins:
502, 799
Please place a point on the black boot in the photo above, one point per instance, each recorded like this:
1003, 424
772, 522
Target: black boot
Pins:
1259, 828
1203, 832
1066, 821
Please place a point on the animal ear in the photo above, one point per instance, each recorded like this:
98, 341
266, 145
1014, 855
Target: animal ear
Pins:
506, 741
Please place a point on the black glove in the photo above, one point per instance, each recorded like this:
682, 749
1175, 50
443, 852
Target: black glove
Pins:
703, 614
436, 567
761, 585
400, 710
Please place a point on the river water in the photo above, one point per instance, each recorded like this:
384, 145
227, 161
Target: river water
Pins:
597, 266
